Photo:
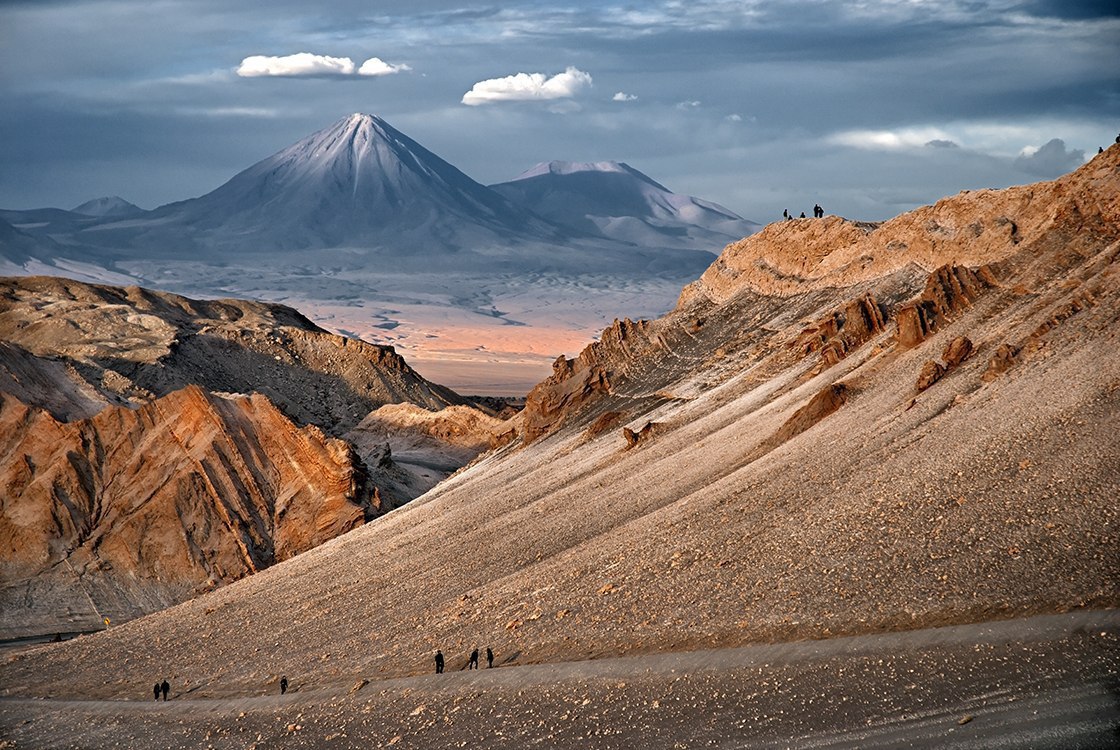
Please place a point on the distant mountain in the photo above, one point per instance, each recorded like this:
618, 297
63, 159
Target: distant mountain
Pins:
358, 183
18, 246
109, 207
614, 200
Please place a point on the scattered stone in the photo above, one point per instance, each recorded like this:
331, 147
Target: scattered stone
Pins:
930, 374
958, 350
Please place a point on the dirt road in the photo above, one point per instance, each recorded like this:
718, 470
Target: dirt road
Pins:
1040, 682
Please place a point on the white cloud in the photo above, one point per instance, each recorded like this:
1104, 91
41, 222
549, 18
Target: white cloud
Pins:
622, 96
528, 87
688, 105
375, 66
888, 140
299, 64
259, 112
734, 118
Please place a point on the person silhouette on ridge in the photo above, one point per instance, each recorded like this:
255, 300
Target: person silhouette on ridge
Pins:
155, 691
439, 662
283, 684
164, 688
473, 663
489, 658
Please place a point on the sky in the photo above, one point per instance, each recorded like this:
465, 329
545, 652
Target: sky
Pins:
869, 108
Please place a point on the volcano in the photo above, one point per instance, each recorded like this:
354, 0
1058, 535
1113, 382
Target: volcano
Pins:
358, 183
616, 201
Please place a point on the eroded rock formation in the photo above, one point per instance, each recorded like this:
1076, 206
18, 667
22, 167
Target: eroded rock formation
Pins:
949, 290
146, 505
574, 381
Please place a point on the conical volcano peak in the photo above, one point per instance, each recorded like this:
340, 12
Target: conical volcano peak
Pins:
357, 182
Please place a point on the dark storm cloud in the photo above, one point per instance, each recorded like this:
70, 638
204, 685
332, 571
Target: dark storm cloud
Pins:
1081, 9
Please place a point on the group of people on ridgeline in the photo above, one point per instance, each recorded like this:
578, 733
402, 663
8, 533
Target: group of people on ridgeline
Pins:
472, 661
818, 213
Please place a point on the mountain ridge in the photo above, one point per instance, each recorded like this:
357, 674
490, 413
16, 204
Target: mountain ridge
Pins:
616, 201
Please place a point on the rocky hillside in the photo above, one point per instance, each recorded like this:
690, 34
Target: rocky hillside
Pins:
133, 478
132, 510
131, 345
410, 450
841, 429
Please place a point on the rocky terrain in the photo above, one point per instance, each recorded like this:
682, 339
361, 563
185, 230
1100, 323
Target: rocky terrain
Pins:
130, 511
412, 449
772, 461
132, 478
129, 345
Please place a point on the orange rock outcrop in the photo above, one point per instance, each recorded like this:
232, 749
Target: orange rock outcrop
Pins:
150, 505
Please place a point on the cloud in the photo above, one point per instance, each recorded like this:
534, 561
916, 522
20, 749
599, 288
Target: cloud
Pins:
734, 118
299, 64
941, 143
888, 140
375, 66
691, 104
1050, 160
622, 96
528, 87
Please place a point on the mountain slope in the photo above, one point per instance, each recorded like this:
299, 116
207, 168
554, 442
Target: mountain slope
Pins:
108, 207
780, 476
133, 442
615, 200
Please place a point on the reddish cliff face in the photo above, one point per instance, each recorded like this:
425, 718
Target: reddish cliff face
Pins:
134, 507
128, 485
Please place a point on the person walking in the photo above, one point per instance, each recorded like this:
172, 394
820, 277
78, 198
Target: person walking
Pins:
164, 688
473, 663
439, 662
283, 684
489, 658
155, 691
